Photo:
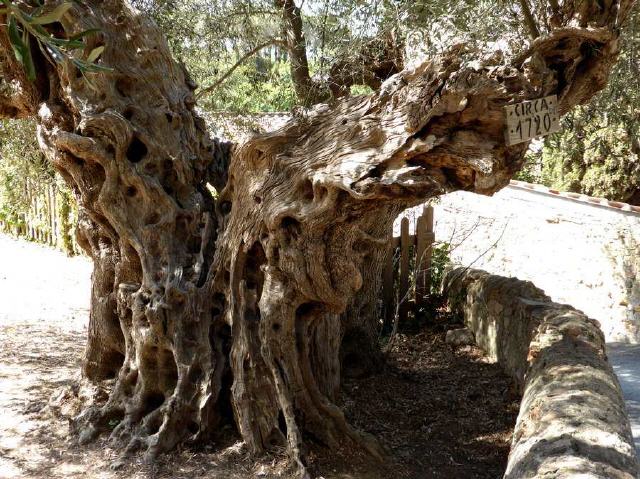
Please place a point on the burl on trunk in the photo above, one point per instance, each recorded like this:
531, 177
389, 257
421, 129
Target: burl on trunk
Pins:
208, 306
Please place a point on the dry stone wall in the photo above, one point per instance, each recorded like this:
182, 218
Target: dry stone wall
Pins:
572, 420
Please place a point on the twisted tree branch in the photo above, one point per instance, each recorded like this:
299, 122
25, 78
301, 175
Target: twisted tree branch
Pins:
241, 60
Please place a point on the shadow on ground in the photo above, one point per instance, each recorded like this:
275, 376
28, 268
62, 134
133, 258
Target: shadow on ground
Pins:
442, 412
439, 412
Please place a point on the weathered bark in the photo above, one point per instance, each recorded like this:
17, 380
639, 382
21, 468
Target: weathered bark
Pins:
371, 65
360, 352
241, 299
105, 349
137, 158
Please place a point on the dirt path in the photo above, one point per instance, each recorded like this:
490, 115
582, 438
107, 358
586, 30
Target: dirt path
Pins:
439, 412
43, 309
625, 359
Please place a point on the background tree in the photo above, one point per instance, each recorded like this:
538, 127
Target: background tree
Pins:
598, 150
208, 309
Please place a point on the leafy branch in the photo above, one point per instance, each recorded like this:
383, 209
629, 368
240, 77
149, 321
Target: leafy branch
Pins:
24, 27
245, 57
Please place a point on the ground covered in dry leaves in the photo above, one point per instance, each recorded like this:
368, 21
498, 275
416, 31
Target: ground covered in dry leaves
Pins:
439, 411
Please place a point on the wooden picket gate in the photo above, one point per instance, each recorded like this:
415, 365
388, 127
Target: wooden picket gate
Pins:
407, 272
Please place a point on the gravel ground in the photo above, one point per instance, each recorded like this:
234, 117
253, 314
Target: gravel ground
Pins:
44, 300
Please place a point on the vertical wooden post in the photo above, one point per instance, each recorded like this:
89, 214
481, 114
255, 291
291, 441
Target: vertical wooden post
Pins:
428, 252
54, 217
424, 250
403, 297
387, 286
27, 223
420, 270
47, 214
51, 217
34, 215
35, 220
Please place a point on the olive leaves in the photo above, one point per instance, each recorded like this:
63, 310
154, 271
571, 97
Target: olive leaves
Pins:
26, 27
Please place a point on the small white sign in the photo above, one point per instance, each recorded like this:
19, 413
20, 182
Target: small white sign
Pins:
532, 118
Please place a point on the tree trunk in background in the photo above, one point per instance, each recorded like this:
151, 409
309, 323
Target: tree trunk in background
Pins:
202, 306
360, 352
104, 354
307, 91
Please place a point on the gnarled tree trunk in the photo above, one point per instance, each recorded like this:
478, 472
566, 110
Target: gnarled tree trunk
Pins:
201, 305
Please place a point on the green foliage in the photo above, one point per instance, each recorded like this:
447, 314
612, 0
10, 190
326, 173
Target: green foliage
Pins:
67, 216
29, 24
20, 161
356, 90
258, 86
440, 258
530, 171
598, 150
211, 36
598, 156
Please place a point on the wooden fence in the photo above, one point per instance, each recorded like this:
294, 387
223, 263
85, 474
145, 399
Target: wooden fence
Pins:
44, 221
407, 273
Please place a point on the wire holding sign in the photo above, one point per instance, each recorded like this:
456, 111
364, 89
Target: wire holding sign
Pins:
529, 119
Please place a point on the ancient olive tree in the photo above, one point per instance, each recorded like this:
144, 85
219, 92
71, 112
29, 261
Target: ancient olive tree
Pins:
206, 307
